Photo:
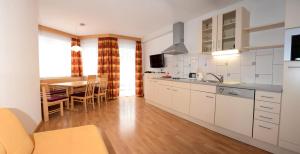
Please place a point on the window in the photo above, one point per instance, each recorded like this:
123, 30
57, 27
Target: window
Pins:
54, 55
89, 56
127, 67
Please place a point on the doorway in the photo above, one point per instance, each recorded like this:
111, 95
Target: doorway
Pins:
127, 67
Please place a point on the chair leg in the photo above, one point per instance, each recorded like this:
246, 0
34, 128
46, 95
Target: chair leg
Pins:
62, 108
84, 103
46, 112
105, 98
93, 101
67, 104
72, 103
98, 101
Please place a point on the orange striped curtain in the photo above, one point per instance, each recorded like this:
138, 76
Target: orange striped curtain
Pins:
138, 70
109, 62
76, 59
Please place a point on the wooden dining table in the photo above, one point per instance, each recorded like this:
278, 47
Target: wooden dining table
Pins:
70, 86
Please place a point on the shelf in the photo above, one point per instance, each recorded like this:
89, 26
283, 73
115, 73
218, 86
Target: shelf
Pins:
228, 37
265, 27
263, 47
229, 24
207, 30
209, 41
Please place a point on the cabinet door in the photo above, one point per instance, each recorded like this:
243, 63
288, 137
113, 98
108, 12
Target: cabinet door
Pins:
166, 98
209, 34
290, 111
154, 91
147, 89
181, 100
202, 106
230, 29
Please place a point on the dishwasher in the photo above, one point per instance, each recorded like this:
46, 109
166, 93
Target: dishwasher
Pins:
234, 109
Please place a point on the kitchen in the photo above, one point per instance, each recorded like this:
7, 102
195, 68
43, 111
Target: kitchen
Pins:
256, 103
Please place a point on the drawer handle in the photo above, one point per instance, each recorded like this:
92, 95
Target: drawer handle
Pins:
231, 93
264, 127
266, 107
209, 97
267, 97
265, 117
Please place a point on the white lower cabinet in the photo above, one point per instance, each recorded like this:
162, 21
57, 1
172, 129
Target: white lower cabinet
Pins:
265, 131
202, 106
266, 115
165, 97
180, 100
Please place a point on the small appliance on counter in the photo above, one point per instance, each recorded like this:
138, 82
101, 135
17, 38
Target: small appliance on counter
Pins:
200, 76
192, 75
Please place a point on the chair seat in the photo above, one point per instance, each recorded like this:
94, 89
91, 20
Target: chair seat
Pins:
56, 98
77, 140
81, 94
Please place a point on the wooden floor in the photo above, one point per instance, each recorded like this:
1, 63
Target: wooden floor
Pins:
131, 126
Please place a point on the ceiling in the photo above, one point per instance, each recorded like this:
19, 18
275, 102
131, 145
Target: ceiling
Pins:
127, 17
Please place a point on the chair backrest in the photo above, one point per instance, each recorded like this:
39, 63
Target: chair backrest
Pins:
13, 137
90, 87
103, 82
45, 94
103, 75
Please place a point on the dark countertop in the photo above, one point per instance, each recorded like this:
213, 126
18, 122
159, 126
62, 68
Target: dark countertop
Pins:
262, 87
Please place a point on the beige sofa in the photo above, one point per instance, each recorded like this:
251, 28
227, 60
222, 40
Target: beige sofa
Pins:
77, 140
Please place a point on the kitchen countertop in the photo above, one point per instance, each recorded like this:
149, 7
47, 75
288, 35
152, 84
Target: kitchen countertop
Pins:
263, 87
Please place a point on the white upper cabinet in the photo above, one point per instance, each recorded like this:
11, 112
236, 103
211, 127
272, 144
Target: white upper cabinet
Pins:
209, 34
225, 31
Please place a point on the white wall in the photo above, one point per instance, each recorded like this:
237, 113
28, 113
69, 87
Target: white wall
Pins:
261, 12
19, 68
292, 14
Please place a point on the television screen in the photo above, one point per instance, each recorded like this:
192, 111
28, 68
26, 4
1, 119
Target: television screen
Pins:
157, 61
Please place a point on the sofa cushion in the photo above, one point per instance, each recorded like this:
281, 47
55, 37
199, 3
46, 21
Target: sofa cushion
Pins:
2, 150
77, 140
13, 136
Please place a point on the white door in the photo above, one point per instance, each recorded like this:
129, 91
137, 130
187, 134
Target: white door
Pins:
203, 106
235, 114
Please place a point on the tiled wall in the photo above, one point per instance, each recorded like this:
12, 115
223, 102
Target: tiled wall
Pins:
260, 66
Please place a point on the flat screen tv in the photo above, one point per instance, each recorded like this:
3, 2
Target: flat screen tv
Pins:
157, 61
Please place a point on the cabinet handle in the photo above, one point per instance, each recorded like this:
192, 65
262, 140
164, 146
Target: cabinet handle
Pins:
264, 127
209, 97
266, 107
265, 117
267, 97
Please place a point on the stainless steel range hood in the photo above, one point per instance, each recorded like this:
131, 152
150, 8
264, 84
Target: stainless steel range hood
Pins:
178, 46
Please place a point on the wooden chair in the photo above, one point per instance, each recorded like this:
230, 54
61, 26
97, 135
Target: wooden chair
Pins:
51, 98
101, 90
85, 97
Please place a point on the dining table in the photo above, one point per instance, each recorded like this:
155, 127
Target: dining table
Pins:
70, 86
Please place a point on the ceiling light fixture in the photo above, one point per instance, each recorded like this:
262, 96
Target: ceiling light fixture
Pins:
225, 52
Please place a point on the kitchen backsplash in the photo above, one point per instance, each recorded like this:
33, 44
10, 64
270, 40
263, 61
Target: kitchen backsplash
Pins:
259, 66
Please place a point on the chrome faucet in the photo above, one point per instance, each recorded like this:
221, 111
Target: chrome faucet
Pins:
220, 78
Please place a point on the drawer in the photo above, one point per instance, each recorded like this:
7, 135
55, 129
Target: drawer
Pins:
204, 88
268, 96
267, 106
265, 131
266, 116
